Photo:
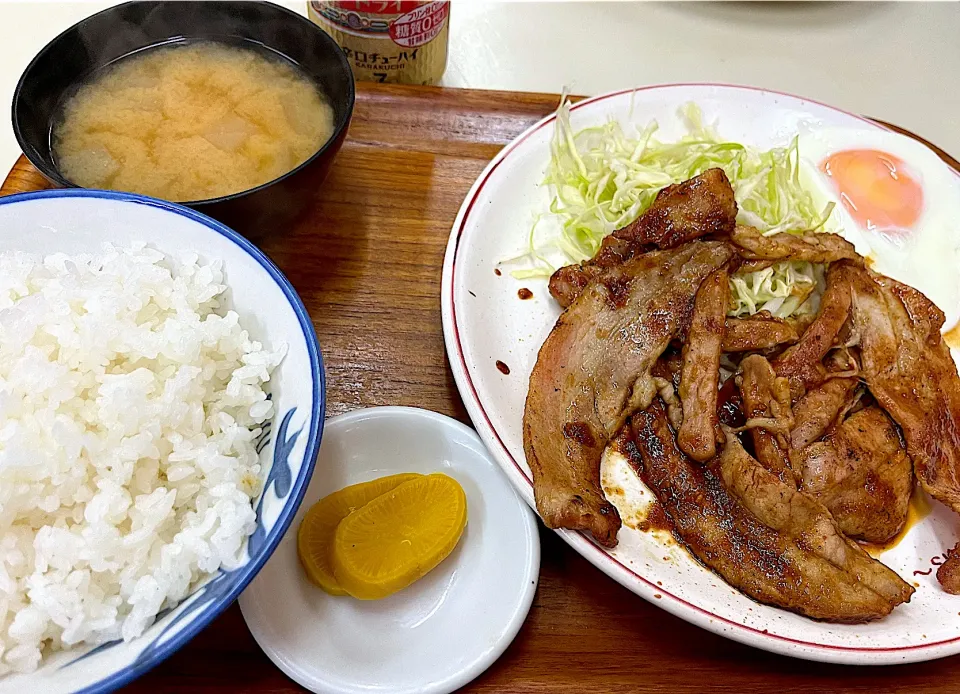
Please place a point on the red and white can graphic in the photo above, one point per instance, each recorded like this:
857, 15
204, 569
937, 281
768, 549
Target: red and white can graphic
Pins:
388, 40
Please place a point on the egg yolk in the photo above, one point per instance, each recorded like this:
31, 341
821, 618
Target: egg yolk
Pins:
875, 188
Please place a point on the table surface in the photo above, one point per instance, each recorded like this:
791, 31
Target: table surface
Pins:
889, 60
367, 264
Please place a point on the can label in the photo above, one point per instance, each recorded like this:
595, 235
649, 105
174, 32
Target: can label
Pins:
420, 25
418, 22
389, 41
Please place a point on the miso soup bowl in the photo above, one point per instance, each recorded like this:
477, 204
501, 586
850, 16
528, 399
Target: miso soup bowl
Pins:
104, 38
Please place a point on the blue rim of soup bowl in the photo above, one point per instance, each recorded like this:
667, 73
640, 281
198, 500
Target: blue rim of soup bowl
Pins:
248, 571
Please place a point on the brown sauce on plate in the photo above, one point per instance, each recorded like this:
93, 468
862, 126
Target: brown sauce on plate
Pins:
919, 508
656, 519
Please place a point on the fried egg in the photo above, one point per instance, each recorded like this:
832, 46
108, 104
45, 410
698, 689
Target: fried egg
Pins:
896, 201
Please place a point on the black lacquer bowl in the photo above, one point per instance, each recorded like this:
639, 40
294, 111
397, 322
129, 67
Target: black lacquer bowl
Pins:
92, 44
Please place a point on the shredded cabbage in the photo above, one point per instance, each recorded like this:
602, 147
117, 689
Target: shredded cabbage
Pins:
601, 180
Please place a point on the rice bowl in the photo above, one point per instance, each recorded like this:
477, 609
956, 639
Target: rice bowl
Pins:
143, 436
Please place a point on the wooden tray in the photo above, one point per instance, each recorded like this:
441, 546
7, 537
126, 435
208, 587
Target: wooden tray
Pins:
367, 263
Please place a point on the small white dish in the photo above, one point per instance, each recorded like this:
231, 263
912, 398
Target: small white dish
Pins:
445, 629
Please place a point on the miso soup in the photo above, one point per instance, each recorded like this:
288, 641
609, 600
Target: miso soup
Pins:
190, 122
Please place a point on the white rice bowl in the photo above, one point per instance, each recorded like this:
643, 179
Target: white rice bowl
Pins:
133, 401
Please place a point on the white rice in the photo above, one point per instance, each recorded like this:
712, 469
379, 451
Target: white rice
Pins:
130, 401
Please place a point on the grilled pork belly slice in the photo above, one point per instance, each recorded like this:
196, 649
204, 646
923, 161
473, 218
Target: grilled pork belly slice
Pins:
909, 371
766, 406
680, 213
700, 372
757, 332
811, 246
802, 364
862, 474
594, 370
773, 543
949, 572
820, 409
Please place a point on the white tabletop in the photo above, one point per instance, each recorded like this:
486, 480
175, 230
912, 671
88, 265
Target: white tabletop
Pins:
895, 61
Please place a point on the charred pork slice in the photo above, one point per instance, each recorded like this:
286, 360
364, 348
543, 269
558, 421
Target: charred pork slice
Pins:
805, 520
702, 205
949, 572
811, 246
909, 371
594, 370
757, 332
768, 540
767, 397
700, 372
862, 474
802, 363
820, 409
666, 375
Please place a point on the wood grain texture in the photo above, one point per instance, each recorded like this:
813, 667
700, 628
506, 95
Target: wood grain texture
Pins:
367, 263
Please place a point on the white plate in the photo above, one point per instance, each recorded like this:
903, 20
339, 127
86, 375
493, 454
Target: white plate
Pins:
484, 322
442, 631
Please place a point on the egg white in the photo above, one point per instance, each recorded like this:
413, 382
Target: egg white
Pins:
928, 257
